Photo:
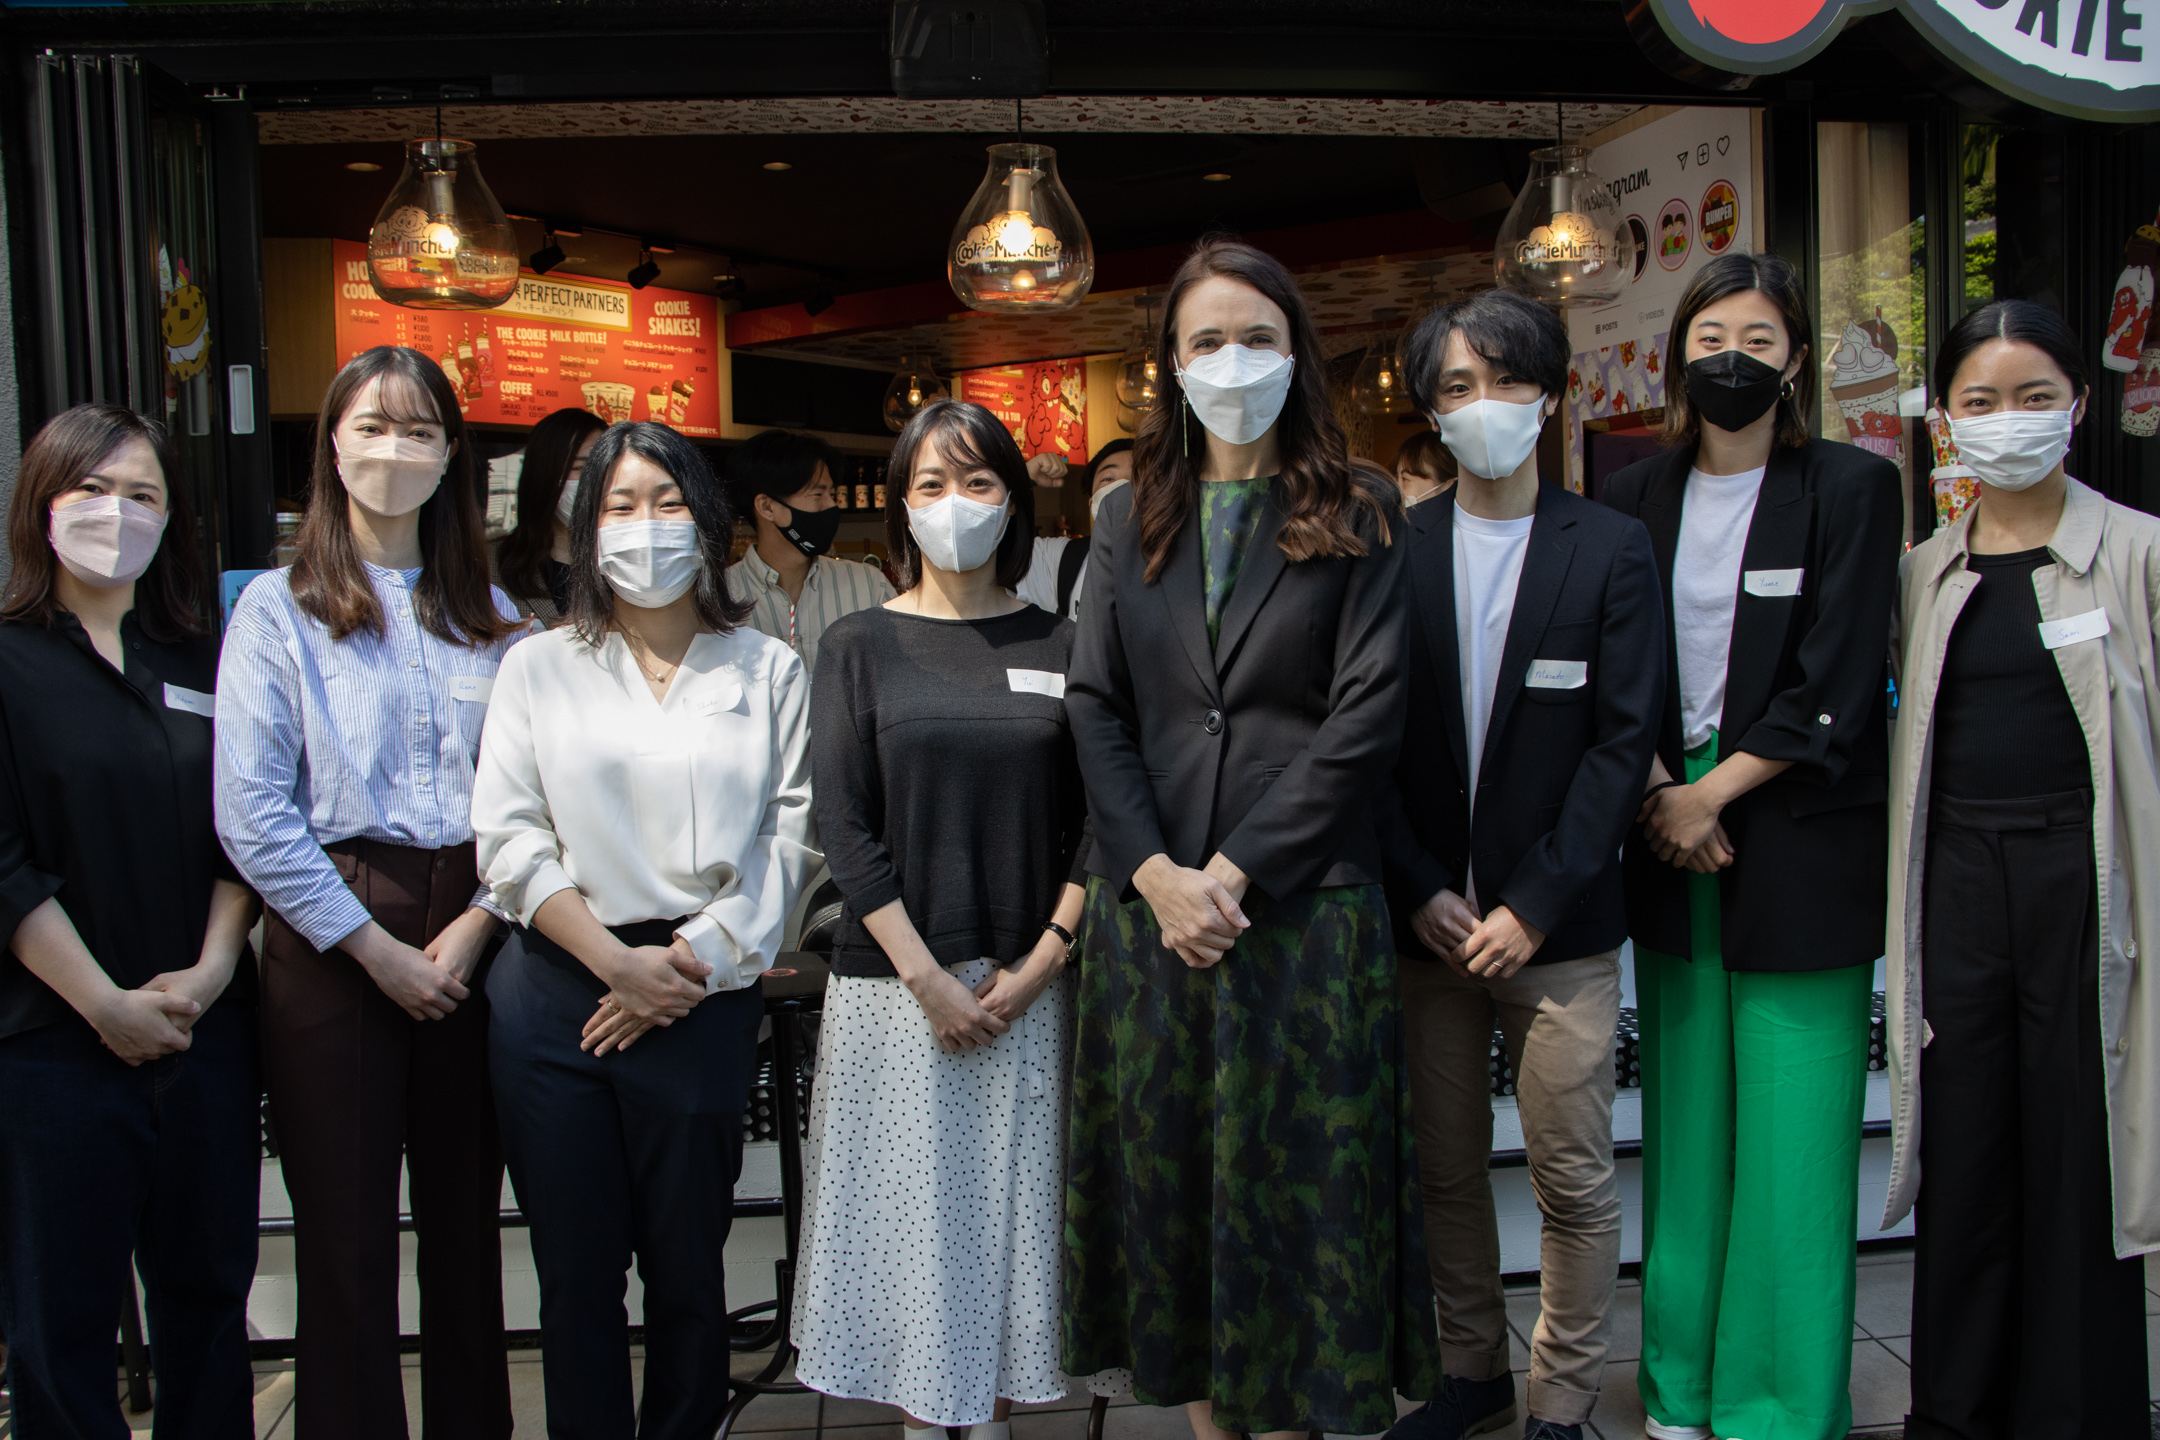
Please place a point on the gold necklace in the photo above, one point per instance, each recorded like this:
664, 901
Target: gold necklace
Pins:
656, 679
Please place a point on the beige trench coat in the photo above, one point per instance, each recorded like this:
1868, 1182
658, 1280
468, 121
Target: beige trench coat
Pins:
2107, 558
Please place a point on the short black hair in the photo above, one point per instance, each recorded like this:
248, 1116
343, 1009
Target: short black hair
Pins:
592, 599
1094, 464
2025, 321
974, 436
1511, 332
778, 463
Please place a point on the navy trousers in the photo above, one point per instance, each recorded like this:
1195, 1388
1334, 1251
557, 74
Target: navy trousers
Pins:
102, 1163
633, 1153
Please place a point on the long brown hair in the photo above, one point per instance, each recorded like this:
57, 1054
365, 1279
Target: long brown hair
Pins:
453, 599
168, 595
1318, 492
521, 563
1726, 276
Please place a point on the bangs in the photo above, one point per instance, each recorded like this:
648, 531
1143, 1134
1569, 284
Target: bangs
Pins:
403, 399
955, 433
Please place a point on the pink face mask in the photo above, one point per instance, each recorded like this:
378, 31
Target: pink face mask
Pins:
106, 541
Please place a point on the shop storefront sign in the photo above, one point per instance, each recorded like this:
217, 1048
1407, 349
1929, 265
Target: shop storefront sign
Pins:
1043, 404
2091, 59
559, 342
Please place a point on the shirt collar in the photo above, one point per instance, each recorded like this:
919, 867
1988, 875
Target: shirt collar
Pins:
764, 573
2075, 542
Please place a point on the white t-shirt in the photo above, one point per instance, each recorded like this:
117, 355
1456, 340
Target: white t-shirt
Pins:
1714, 520
1488, 567
1039, 586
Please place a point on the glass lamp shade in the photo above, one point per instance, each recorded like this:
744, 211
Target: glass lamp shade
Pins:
1377, 387
1136, 378
914, 385
1020, 245
441, 242
1565, 242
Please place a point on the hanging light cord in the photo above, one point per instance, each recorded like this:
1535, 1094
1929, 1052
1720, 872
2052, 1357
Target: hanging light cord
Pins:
1019, 121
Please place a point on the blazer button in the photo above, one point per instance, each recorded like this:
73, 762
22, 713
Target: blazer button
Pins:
1212, 722
1823, 719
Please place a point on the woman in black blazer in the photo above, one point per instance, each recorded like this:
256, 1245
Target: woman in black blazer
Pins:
1236, 697
1755, 886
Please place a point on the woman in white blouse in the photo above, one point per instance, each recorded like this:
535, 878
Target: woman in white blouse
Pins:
643, 812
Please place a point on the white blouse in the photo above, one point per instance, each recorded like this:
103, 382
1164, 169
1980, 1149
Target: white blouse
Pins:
695, 805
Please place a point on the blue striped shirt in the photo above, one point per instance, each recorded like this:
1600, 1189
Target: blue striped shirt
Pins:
321, 740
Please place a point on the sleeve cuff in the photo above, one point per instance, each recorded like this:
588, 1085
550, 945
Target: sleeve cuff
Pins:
716, 948
485, 900
339, 915
873, 897
525, 900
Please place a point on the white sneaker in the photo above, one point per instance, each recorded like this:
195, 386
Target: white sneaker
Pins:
1657, 1431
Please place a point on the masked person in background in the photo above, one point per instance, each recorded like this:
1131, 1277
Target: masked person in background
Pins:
2024, 851
1236, 696
1537, 638
1755, 884
794, 586
643, 811
1059, 571
949, 798
1423, 468
350, 699
130, 1138
532, 562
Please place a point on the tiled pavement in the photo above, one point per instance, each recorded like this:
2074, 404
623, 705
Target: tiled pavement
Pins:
1880, 1368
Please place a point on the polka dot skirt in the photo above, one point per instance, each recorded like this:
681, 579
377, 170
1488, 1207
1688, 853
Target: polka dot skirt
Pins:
934, 1218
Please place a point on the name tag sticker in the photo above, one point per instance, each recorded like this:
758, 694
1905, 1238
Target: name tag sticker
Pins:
1558, 674
477, 688
1772, 583
1037, 682
194, 702
725, 695
2057, 633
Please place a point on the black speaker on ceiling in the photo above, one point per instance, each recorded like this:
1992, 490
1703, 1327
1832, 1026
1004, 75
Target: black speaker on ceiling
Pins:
969, 49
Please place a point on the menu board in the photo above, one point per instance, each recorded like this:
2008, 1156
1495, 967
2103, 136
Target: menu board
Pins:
559, 342
1044, 404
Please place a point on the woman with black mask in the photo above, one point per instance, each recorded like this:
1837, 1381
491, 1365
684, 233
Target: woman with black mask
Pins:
784, 481
1755, 884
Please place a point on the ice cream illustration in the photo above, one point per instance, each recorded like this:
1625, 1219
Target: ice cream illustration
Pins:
1864, 382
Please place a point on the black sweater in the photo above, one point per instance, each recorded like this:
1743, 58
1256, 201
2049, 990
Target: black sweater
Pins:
2004, 724
944, 777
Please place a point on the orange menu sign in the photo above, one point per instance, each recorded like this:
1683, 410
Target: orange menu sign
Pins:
559, 342
1044, 404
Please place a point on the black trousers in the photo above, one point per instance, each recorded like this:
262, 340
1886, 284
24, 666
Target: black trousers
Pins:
632, 1153
101, 1162
2025, 1324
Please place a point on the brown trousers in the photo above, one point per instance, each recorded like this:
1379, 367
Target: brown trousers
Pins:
355, 1085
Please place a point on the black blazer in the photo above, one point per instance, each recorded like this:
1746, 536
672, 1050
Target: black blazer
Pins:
1267, 748
1807, 681
1563, 770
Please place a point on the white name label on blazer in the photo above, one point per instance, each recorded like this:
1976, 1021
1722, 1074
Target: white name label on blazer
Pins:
2057, 633
1037, 682
1772, 583
195, 702
1558, 674
477, 688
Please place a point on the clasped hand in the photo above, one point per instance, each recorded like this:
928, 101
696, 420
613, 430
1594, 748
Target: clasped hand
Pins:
648, 986
1681, 822
1491, 948
1197, 911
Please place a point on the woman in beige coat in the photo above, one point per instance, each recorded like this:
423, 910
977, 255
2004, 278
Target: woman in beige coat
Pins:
2025, 814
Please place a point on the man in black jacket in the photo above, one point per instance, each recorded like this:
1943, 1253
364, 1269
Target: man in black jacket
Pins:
1536, 679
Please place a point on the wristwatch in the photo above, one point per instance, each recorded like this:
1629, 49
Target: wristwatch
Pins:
1063, 934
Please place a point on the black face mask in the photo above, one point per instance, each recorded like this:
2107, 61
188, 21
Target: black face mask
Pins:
1732, 390
812, 530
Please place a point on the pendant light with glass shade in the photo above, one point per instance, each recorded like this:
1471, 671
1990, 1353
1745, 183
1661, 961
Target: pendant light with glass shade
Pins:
1564, 241
1377, 388
441, 241
914, 385
1020, 245
1138, 373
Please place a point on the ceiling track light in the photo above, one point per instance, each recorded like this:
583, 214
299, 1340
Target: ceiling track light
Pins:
549, 255
647, 271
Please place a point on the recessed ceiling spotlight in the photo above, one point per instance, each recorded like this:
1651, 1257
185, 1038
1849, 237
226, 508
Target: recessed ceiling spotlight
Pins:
778, 165
362, 167
1216, 175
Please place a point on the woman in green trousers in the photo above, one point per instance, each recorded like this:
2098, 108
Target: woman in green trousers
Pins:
1755, 886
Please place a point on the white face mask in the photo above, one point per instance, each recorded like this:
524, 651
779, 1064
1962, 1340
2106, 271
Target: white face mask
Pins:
2013, 449
566, 502
106, 541
958, 534
1095, 500
1237, 391
390, 474
650, 563
1490, 437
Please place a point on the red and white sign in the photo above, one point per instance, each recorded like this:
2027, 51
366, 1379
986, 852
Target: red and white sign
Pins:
558, 343
1043, 404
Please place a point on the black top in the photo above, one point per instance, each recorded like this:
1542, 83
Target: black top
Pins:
1806, 681
1268, 744
943, 776
105, 804
2004, 724
1565, 759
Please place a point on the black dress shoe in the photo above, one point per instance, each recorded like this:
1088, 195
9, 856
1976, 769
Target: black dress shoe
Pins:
1463, 1408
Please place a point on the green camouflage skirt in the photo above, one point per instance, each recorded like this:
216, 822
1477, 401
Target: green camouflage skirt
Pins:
1242, 1219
